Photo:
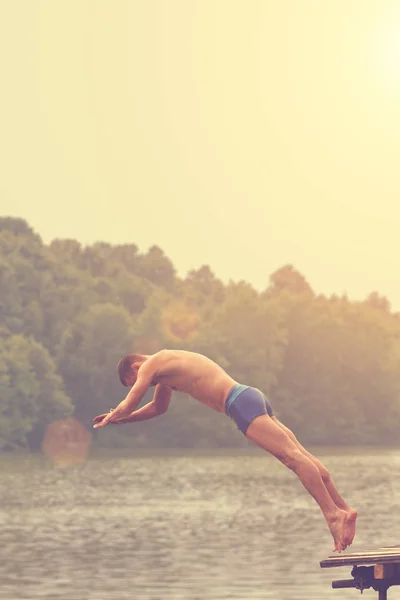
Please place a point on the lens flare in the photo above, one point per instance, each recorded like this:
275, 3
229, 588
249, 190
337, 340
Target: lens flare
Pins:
66, 443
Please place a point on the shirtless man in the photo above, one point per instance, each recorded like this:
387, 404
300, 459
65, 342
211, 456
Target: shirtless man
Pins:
204, 380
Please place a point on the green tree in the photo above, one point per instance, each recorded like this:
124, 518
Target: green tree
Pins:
288, 279
11, 315
88, 356
66, 252
375, 300
25, 260
29, 284
16, 226
31, 392
127, 256
246, 335
338, 367
330, 366
66, 292
201, 288
156, 267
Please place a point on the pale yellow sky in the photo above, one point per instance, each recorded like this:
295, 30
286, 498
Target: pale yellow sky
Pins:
244, 134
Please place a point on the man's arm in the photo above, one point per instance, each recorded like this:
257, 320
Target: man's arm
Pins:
158, 406
145, 376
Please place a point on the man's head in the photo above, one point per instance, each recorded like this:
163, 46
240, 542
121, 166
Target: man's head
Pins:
128, 368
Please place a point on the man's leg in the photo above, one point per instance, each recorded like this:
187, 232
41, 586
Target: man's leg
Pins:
264, 432
329, 484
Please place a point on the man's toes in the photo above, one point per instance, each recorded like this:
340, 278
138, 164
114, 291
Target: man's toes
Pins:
338, 547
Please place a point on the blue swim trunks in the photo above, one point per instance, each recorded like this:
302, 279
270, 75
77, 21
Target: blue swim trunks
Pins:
244, 404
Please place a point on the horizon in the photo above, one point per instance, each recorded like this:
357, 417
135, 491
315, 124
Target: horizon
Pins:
183, 275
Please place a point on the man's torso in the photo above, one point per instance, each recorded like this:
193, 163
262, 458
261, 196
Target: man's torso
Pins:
196, 375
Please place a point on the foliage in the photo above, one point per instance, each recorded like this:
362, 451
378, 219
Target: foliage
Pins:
331, 367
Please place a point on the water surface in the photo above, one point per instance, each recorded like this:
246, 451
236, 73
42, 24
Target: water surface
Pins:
185, 526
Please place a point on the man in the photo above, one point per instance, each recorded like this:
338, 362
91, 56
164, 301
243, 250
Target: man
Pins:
201, 378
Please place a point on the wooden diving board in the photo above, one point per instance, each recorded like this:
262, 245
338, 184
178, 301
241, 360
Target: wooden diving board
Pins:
378, 568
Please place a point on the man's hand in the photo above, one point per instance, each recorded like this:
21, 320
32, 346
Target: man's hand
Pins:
100, 418
116, 416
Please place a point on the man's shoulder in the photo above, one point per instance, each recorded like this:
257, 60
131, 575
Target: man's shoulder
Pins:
171, 352
177, 355
164, 355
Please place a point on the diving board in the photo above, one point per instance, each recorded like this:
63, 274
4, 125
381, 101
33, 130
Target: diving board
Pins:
378, 569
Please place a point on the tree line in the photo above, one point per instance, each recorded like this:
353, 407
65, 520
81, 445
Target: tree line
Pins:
330, 366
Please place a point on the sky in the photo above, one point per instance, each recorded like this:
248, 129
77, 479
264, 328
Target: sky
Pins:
242, 134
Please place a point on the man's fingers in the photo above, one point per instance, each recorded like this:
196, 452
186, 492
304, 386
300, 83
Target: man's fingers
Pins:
103, 416
102, 423
100, 417
103, 420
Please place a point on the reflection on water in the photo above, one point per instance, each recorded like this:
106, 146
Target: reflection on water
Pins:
214, 527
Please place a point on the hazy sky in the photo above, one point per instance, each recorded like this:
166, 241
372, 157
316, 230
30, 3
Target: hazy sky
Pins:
244, 134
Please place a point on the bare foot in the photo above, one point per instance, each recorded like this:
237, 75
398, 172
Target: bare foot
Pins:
350, 526
337, 529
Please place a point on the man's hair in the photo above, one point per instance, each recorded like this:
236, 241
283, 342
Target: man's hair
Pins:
124, 366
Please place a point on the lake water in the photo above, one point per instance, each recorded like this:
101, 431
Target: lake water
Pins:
185, 526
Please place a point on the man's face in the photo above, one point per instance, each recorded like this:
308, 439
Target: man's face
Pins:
130, 379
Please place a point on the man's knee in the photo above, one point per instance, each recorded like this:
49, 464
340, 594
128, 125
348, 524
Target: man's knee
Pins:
292, 458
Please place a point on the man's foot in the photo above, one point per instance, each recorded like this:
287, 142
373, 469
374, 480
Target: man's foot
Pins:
337, 528
350, 526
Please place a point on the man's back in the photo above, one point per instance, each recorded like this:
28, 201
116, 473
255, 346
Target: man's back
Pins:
194, 374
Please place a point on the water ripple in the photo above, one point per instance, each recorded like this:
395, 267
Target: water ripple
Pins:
182, 527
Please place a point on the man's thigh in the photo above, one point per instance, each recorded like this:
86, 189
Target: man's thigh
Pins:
292, 436
266, 433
